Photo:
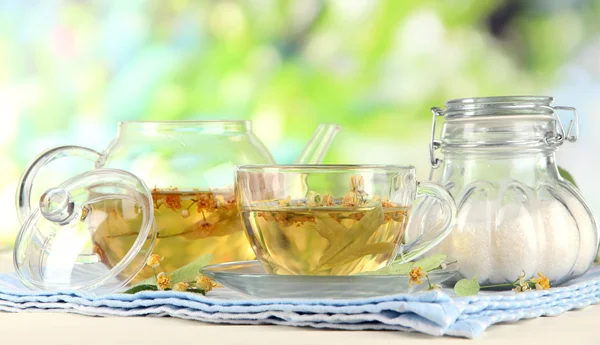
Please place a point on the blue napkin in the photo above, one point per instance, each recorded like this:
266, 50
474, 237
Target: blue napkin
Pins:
434, 312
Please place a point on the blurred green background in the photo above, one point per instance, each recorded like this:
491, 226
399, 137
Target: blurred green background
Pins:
70, 70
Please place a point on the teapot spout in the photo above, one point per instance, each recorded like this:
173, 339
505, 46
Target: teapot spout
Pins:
316, 148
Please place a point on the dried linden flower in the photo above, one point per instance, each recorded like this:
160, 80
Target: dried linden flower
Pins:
173, 201
185, 213
205, 283
220, 200
181, 286
522, 285
541, 282
328, 200
314, 198
350, 200
357, 183
205, 201
415, 276
163, 281
521, 288
204, 228
286, 202
154, 260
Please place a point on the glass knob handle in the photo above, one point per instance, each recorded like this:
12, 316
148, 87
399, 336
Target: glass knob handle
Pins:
57, 206
25, 186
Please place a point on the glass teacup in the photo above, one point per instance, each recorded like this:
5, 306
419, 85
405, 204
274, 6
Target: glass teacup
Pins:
338, 219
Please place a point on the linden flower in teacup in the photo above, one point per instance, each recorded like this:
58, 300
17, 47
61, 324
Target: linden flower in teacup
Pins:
154, 260
327, 200
357, 183
163, 281
541, 282
181, 286
205, 283
350, 200
314, 198
286, 202
220, 200
415, 275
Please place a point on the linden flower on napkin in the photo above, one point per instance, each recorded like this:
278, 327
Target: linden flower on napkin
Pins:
541, 282
415, 276
205, 283
469, 287
521, 284
163, 281
181, 286
184, 278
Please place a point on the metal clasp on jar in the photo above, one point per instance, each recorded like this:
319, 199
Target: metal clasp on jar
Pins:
572, 132
435, 144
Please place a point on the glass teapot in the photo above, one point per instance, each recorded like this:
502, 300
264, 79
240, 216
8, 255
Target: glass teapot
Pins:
516, 214
188, 167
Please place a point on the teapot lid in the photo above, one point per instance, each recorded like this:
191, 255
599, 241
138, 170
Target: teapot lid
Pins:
94, 232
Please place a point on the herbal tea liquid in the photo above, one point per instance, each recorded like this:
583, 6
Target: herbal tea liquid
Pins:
325, 240
189, 224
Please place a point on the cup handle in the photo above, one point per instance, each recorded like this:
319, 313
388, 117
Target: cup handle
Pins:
23, 196
429, 238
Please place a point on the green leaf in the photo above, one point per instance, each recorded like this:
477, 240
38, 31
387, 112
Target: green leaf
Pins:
393, 269
149, 281
348, 256
430, 263
329, 228
567, 176
190, 271
185, 273
357, 236
143, 287
467, 287
399, 268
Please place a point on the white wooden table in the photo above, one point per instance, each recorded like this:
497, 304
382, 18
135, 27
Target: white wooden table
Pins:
572, 328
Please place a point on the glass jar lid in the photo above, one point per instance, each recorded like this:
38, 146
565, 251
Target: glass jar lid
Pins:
498, 106
94, 232
501, 123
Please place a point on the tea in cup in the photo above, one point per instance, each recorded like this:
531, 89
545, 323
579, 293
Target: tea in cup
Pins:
335, 219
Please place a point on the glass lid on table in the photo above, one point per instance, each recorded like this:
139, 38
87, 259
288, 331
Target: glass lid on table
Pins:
64, 243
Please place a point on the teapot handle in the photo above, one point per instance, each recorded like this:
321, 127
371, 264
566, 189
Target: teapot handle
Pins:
23, 197
428, 237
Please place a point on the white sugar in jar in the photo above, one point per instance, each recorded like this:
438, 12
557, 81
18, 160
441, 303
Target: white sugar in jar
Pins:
515, 212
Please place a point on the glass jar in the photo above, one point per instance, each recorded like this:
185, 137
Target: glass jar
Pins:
515, 212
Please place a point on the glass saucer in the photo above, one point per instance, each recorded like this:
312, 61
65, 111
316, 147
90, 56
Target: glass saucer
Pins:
250, 278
